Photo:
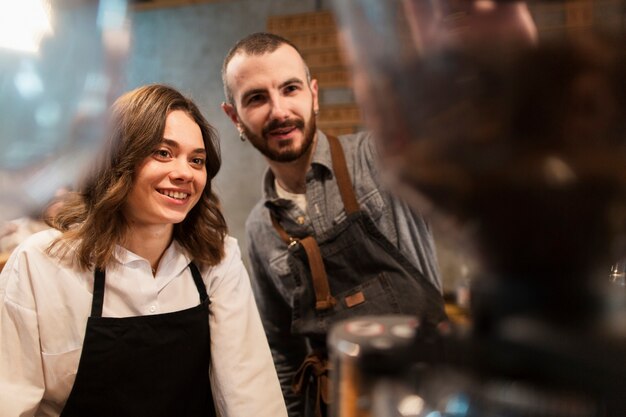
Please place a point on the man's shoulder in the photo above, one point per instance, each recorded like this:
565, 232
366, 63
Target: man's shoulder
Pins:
355, 138
357, 144
258, 217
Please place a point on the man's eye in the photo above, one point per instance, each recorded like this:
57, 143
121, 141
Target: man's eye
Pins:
291, 88
256, 100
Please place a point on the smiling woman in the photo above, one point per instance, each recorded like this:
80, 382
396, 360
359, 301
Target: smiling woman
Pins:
156, 139
178, 332
168, 183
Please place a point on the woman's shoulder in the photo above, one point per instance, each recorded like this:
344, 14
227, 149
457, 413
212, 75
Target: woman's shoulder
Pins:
38, 242
230, 240
232, 256
230, 273
31, 254
231, 248
44, 248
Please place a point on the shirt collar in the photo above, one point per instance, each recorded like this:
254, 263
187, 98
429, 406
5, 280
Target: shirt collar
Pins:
321, 159
173, 261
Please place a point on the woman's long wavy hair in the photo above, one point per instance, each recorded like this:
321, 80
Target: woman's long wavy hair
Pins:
91, 218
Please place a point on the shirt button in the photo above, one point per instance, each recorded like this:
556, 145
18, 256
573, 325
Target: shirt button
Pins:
152, 309
300, 219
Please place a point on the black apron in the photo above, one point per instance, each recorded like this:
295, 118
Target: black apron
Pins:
368, 276
145, 365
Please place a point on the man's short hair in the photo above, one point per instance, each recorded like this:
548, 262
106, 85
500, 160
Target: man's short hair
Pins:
257, 44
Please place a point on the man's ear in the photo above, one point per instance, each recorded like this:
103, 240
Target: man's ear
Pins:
314, 92
230, 111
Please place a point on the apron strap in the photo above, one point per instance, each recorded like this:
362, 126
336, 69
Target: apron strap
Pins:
99, 278
315, 366
98, 293
340, 167
197, 279
323, 299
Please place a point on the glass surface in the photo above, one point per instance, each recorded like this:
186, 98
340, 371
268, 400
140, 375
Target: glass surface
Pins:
506, 115
509, 117
617, 275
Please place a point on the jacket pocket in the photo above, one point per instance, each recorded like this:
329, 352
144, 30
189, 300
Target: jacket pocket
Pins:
374, 296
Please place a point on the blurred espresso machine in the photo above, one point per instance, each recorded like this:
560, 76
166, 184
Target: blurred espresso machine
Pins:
509, 119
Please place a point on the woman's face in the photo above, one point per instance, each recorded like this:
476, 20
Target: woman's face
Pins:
169, 182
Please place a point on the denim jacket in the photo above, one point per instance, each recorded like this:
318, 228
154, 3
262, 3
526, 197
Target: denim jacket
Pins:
272, 278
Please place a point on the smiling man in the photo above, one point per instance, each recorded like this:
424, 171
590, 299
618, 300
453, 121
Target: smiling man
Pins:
326, 241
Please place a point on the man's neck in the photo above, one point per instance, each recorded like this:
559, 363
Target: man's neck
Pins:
291, 176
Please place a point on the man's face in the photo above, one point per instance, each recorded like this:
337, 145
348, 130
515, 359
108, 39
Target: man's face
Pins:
274, 105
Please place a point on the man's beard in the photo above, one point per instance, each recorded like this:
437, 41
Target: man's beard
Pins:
286, 152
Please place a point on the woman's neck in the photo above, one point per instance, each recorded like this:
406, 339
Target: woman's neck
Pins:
149, 242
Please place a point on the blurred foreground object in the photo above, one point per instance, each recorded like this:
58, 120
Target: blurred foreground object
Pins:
507, 119
61, 63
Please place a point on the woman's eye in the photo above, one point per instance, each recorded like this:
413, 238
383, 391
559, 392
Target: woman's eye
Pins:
162, 153
198, 161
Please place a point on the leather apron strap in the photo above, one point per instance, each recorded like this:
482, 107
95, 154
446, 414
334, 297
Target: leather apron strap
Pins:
317, 366
340, 167
323, 298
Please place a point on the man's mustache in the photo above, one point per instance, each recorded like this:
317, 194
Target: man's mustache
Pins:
277, 124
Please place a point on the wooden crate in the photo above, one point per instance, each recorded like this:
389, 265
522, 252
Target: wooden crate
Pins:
324, 58
308, 31
296, 23
342, 113
337, 130
314, 40
333, 78
315, 35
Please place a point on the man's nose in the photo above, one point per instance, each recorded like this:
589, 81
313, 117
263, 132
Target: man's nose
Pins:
279, 109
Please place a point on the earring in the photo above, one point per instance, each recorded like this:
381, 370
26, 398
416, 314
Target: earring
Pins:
242, 137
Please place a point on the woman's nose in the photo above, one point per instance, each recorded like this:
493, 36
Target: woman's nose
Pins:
181, 171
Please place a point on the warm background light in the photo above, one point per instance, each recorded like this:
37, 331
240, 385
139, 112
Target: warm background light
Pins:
23, 24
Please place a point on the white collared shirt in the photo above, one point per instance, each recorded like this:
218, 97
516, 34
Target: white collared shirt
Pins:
44, 305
